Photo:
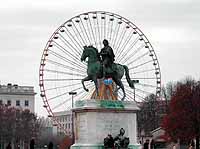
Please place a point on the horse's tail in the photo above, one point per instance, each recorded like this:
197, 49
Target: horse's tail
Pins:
130, 82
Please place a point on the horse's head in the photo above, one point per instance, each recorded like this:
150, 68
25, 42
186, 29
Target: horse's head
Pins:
85, 53
90, 52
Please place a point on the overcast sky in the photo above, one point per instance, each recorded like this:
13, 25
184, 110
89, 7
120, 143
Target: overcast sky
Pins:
172, 26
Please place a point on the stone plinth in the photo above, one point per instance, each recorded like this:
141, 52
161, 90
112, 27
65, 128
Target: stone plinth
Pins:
94, 120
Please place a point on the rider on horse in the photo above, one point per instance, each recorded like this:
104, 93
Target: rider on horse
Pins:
108, 57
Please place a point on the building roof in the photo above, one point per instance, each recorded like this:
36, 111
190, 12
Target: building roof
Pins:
10, 89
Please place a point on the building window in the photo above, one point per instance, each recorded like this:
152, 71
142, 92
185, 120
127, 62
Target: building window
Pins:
9, 102
17, 103
1, 102
26, 103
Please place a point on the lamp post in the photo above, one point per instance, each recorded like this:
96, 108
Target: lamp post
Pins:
72, 93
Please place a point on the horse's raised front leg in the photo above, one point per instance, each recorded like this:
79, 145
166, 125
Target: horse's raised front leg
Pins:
83, 80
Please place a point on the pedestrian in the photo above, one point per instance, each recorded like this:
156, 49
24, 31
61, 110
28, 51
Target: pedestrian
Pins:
9, 146
50, 146
146, 144
32, 144
152, 144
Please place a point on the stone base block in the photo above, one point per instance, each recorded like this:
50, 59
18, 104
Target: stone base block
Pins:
99, 146
94, 120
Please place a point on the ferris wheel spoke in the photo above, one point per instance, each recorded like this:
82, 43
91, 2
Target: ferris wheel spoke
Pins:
66, 60
65, 41
84, 28
141, 64
121, 37
143, 71
82, 31
65, 93
134, 52
72, 38
64, 50
68, 79
98, 26
129, 39
85, 94
124, 45
112, 19
86, 17
59, 87
142, 91
77, 32
104, 26
137, 95
108, 28
138, 58
95, 29
89, 32
119, 24
142, 84
147, 85
57, 96
74, 33
64, 72
77, 54
92, 31
140, 97
134, 94
65, 66
60, 104
114, 32
81, 88
126, 52
147, 78
121, 94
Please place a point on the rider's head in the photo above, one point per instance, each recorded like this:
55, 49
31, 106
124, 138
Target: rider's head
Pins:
105, 42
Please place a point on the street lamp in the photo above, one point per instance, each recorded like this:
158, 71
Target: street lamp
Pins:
72, 93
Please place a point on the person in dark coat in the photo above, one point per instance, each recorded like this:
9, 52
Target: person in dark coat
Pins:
50, 146
146, 144
32, 144
152, 144
9, 146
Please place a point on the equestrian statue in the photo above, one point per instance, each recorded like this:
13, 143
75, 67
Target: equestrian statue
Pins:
101, 65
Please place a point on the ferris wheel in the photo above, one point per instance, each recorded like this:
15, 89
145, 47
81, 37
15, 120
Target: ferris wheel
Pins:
61, 69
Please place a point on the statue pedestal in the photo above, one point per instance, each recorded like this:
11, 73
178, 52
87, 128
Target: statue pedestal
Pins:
95, 119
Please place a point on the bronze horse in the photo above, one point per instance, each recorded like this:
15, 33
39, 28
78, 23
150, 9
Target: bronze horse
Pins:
94, 70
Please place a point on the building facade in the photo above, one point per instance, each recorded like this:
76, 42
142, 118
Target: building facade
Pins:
22, 97
64, 120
